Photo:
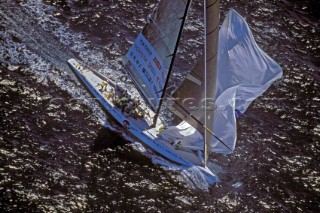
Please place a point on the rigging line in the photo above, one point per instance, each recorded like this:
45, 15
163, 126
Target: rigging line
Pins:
213, 30
171, 64
206, 128
211, 4
212, 57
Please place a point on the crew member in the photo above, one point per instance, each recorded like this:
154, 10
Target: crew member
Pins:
103, 85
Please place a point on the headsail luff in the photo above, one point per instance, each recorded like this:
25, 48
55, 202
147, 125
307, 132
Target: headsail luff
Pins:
150, 58
196, 94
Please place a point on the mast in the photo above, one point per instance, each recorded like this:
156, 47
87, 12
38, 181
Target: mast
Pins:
211, 31
171, 63
199, 85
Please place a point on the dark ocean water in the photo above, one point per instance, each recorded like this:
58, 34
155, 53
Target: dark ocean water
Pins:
56, 154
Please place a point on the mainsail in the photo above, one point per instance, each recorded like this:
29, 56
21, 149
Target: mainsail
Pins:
194, 99
149, 60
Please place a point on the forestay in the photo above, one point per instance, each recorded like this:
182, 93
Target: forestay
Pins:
149, 59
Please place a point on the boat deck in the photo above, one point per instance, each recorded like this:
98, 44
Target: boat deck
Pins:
139, 127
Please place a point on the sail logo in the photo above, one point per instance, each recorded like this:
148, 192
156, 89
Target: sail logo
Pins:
137, 62
151, 69
147, 69
138, 50
157, 63
145, 47
147, 75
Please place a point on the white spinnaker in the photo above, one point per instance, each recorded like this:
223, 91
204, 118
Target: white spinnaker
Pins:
244, 73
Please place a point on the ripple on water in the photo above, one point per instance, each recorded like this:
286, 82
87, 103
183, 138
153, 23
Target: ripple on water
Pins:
55, 156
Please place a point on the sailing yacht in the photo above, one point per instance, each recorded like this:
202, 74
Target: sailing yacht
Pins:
230, 74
